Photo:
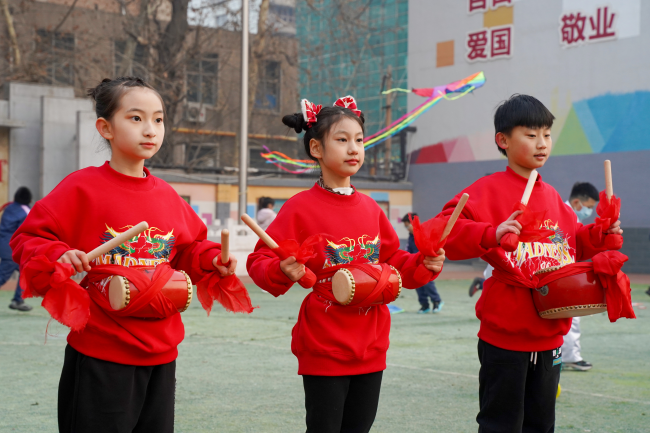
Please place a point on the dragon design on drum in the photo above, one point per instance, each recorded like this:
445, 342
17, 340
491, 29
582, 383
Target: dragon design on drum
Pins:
147, 246
347, 250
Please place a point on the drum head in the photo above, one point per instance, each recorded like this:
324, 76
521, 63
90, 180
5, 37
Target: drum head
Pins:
118, 292
343, 286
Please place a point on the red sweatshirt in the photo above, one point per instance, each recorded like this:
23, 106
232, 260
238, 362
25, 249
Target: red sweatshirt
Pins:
508, 316
92, 206
329, 339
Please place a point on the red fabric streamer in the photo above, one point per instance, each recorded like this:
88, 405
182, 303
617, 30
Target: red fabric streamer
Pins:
303, 252
229, 291
150, 297
427, 239
66, 301
530, 232
608, 213
607, 267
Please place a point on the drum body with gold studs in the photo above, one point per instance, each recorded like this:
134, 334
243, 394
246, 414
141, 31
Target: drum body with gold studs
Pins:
178, 290
352, 286
571, 296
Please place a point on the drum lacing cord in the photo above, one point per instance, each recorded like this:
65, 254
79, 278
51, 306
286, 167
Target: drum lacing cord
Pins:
533, 359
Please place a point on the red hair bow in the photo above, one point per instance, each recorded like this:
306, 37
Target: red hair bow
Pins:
348, 102
309, 111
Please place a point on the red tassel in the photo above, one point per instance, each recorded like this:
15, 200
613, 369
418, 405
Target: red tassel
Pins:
307, 250
607, 266
65, 300
427, 236
530, 221
608, 212
229, 291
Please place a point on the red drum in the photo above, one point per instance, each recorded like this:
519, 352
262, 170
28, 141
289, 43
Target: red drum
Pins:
572, 296
352, 286
178, 290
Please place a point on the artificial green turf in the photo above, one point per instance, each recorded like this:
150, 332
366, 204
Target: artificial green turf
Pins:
236, 373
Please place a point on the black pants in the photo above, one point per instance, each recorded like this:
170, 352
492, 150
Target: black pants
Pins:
426, 292
98, 396
516, 395
341, 404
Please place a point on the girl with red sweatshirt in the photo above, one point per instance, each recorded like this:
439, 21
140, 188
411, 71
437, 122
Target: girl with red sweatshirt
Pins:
119, 371
519, 351
341, 350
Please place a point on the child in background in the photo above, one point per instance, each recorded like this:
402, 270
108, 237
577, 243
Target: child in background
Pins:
429, 290
519, 351
266, 214
13, 215
119, 372
583, 199
341, 350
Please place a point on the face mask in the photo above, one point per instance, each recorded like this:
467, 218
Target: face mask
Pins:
583, 213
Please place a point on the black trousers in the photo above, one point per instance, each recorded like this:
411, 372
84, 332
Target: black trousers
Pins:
98, 396
341, 404
517, 395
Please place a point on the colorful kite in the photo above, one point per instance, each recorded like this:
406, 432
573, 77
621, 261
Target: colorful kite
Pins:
434, 95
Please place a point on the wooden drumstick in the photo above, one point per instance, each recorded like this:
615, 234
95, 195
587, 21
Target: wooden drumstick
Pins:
259, 231
529, 187
454, 216
225, 246
609, 187
117, 240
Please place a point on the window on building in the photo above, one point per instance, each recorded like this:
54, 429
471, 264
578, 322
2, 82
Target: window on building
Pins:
202, 79
268, 87
286, 14
58, 49
130, 64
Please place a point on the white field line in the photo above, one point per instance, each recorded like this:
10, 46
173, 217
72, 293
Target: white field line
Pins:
571, 391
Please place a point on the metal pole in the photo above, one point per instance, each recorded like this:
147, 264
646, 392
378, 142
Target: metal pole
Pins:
243, 133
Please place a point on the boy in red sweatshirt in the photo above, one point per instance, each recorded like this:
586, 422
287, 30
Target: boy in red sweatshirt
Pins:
519, 351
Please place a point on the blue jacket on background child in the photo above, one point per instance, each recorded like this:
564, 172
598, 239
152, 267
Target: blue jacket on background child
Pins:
429, 290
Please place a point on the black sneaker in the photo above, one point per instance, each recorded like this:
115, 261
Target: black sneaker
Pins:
475, 286
577, 366
20, 306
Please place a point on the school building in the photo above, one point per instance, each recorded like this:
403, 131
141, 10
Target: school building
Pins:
586, 60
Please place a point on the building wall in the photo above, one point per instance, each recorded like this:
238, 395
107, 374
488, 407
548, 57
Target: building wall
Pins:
4, 160
597, 88
337, 59
212, 201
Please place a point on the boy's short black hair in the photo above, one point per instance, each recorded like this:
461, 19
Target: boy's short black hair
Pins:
521, 110
584, 191
23, 196
406, 218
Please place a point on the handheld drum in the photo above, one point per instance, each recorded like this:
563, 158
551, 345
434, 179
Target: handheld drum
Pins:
571, 296
352, 286
178, 290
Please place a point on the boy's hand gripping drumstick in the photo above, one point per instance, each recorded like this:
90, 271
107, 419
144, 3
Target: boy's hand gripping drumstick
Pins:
117, 240
454, 216
307, 283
